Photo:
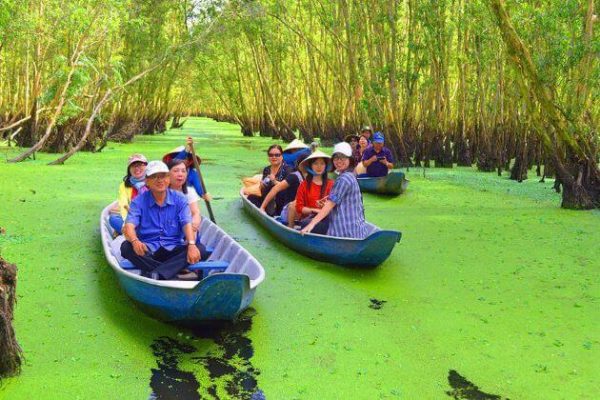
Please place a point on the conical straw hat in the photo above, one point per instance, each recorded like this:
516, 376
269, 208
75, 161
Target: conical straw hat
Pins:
316, 154
295, 144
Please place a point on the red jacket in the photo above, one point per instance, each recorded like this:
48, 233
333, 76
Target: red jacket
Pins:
308, 198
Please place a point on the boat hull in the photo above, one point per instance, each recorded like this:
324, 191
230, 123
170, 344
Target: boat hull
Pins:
362, 253
214, 298
394, 183
221, 296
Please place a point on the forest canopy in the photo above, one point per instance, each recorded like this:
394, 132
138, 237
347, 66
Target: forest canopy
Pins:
504, 85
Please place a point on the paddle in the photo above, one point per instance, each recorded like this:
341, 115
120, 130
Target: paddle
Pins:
197, 166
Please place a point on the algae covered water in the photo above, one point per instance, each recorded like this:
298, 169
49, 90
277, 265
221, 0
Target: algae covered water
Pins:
493, 292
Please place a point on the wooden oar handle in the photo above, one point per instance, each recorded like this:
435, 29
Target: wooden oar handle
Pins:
197, 166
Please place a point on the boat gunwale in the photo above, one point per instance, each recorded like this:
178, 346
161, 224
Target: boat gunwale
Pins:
173, 284
373, 235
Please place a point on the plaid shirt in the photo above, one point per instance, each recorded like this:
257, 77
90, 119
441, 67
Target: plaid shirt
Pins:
347, 219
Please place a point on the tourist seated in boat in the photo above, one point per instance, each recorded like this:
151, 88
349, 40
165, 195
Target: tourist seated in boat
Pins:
377, 159
352, 140
367, 132
313, 191
158, 230
272, 174
134, 183
284, 195
193, 178
357, 153
344, 207
293, 151
178, 178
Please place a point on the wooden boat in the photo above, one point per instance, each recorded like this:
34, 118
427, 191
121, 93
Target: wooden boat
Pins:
367, 253
393, 183
219, 296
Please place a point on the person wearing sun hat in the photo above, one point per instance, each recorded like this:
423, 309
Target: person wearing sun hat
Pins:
313, 191
184, 153
134, 183
377, 159
344, 207
293, 151
367, 132
352, 140
158, 222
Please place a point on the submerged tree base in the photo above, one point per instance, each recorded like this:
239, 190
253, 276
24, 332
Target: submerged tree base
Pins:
10, 352
580, 180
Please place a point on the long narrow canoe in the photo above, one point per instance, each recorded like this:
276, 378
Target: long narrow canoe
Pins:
393, 183
219, 296
366, 253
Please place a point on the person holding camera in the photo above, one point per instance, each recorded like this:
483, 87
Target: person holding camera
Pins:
377, 159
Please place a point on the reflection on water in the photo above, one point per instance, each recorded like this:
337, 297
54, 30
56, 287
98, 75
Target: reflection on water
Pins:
462, 389
228, 368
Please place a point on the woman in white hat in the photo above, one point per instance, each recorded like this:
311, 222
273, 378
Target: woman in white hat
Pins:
344, 207
134, 183
312, 192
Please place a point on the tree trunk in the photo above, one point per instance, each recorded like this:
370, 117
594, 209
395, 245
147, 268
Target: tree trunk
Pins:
519, 170
86, 134
578, 171
10, 352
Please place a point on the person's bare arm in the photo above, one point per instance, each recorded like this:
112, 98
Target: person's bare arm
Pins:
324, 212
193, 254
370, 161
195, 210
139, 247
271, 195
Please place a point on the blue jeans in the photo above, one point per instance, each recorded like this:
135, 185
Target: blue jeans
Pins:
116, 222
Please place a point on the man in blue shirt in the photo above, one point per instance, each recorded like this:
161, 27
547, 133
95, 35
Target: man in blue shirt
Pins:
378, 160
155, 228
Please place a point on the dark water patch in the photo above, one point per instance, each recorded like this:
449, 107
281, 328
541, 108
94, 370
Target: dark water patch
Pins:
377, 304
463, 389
168, 381
230, 364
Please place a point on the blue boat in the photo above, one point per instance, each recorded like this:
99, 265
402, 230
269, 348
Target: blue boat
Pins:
232, 275
362, 253
393, 183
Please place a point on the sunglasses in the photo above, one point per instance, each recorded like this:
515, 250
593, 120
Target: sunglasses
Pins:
274, 154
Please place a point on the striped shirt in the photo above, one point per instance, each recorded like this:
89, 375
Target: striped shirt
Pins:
347, 219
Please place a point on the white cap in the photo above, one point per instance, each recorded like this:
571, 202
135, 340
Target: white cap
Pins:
136, 158
156, 167
343, 148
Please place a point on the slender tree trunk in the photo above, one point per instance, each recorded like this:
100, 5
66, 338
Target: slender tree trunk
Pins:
578, 170
10, 352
